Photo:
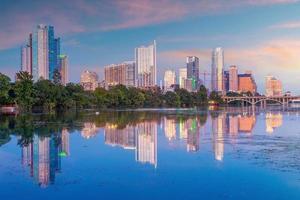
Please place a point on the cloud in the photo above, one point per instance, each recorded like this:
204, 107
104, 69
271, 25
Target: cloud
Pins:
287, 25
18, 19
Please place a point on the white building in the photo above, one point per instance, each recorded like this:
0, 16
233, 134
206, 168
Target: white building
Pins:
169, 79
273, 87
182, 77
217, 68
89, 80
145, 59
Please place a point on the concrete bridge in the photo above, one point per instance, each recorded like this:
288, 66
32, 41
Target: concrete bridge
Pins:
262, 100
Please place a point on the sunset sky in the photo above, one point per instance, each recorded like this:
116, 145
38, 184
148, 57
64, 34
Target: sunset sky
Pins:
258, 35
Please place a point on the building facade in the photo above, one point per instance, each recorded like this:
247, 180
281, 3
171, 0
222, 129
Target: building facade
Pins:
217, 69
64, 65
182, 77
123, 74
169, 79
247, 83
145, 59
193, 71
273, 87
233, 79
89, 80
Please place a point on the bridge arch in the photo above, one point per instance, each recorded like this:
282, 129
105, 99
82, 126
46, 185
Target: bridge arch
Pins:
270, 99
241, 100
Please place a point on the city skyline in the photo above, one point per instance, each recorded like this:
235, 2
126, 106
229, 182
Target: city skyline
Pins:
270, 46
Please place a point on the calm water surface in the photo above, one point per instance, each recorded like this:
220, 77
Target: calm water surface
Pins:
166, 154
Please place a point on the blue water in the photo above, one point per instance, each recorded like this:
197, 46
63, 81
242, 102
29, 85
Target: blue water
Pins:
228, 154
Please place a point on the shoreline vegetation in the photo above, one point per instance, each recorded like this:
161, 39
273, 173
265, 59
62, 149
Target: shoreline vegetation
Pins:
50, 96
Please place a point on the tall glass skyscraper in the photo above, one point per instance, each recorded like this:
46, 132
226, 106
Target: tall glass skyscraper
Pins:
145, 59
193, 71
40, 57
217, 70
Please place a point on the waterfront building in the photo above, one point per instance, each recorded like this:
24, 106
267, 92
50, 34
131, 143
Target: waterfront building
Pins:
233, 79
273, 87
217, 68
169, 79
123, 74
89, 80
193, 71
182, 77
247, 83
64, 65
145, 60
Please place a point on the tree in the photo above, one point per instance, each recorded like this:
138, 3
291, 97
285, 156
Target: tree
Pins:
185, 97
4, 89
201, 95
56, 77
214, 96
101, 97
172, 99
24, 91
136, 97
45, 94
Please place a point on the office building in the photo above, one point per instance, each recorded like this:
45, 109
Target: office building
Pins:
123, 74
89, 80
169, 79
226, 81
273, 87
217, 68
247, 83
64, 65
193, 71
233, 79
182, 77
145, 60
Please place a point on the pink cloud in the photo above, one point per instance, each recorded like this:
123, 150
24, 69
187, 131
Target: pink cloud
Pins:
287, 25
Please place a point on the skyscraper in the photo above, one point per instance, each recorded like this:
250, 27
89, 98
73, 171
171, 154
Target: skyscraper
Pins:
217, 70
273, 86
193, 71
226, 81
64, 69
40, 57
169, 79
247, 83
145, 59
233, 79
182, 77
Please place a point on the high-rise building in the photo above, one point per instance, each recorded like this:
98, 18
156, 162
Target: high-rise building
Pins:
40, 57
247, 83
26, 56
145, 59
233, 79
217, 69
193, 71
89, 80
169, 79
123, 74
64, 69
273, 87
182, 77
226, 81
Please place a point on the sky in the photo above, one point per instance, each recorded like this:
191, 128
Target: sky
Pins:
258, 35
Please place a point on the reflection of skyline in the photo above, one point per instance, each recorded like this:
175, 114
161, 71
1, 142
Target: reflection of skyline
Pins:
193, 135
43, 156
273, 121
89, 130
246, 123
146, 148
218, 130
170, 128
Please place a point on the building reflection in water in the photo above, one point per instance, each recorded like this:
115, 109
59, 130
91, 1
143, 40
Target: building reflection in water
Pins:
246, 123
193, 135
89, 130
273, 121
233, 127
43, 156
218, 131
146, 142
170, 128
124, 138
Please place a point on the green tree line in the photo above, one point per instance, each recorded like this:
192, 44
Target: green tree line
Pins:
47, 96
